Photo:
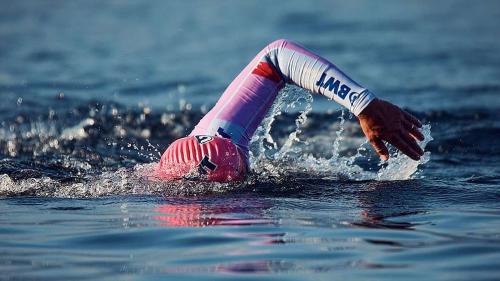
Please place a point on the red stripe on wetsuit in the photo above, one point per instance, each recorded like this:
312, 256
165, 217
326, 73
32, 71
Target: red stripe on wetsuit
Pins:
266, 70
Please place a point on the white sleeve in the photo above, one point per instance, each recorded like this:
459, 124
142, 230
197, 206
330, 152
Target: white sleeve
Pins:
300, 66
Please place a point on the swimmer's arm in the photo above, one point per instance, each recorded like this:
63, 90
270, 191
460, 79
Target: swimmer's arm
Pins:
380, 120
301, 67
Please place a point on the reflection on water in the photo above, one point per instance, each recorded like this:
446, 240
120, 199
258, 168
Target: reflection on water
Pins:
260, 225
242, 212
381, 202
248, 211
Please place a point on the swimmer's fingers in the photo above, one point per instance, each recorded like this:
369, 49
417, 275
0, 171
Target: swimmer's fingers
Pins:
410, 141
412, 119
413, 130
407, 145
380, 148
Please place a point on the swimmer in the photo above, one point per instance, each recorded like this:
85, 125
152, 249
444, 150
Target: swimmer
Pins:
218, 147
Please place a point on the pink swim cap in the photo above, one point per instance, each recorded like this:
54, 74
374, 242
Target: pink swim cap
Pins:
203, 158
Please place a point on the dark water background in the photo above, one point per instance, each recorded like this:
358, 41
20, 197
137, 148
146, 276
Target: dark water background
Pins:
92, 91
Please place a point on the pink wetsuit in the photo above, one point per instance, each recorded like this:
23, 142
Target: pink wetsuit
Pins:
243, 106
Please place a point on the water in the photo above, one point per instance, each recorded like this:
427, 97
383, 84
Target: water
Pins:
92, 92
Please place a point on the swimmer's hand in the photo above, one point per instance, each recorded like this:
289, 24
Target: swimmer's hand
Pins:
383, 121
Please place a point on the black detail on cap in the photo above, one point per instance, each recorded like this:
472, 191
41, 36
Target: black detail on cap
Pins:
206, 164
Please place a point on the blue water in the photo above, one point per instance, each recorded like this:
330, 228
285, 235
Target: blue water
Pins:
92, 91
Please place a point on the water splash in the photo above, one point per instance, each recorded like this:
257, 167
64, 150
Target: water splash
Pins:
400, 166
279, 164
123, 181
338, 139
263, 147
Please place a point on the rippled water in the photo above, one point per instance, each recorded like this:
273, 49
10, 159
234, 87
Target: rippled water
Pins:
92, 92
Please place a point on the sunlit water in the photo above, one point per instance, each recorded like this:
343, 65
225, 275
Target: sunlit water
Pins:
93, 92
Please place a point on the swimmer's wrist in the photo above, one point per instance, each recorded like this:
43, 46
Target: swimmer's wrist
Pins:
360, 102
